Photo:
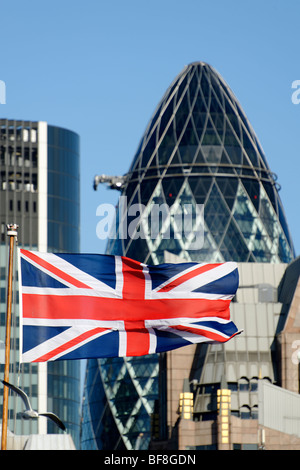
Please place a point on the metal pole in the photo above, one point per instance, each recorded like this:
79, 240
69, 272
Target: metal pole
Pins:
12, 232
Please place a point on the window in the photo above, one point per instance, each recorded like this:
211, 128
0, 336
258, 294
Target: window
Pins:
245, 446
254, 412
253, 385
243, 384
3, 294
245, 412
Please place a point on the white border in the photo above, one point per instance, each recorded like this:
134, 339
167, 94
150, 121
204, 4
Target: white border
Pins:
20, 305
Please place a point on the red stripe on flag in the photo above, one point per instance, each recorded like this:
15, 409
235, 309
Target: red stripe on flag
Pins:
206, 333
73, 342
187, 276
52, 269
97, 308
133, 279
133, 289
137, 343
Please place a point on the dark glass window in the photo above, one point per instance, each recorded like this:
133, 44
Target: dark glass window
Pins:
216, 214
148, 151
167, 146
245, 412
233, 246
253, 189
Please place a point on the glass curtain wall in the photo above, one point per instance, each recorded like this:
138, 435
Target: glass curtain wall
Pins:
64, 236
198, 149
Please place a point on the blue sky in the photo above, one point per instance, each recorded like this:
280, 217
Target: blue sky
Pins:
101, 67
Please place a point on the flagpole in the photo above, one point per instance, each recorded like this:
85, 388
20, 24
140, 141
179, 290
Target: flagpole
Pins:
12, 232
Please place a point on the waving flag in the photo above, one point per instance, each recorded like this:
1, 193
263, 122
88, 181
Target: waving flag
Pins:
75, 306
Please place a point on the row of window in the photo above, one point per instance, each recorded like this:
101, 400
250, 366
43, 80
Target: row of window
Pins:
19, 206
19, 134
14, 346
14, 157
15, 181
234, 447
245, 412
244, 385
16, 319
26, 368
18, 186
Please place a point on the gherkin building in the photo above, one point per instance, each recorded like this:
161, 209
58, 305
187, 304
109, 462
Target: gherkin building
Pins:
198, 150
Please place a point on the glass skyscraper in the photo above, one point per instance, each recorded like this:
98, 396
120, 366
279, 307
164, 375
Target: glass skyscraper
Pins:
198, 149
39, 191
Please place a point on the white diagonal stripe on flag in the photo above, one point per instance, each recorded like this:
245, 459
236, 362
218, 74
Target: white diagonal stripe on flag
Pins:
61, 339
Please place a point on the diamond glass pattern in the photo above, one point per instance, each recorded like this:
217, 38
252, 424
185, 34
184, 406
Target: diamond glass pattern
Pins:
198, 147
200, 138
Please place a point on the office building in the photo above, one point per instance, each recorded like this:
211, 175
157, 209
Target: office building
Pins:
198, 149
39, 191
244, 394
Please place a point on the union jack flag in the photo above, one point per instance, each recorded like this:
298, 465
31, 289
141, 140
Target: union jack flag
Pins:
75, 306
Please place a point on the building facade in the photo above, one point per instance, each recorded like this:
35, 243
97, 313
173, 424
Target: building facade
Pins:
39, 191
244, 394
198, 150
